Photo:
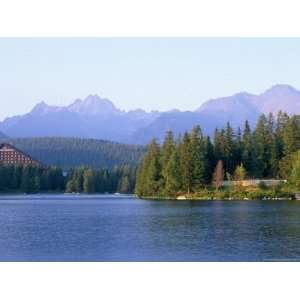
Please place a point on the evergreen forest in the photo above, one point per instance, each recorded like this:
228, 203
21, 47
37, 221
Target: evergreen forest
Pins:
193, 162
36, 179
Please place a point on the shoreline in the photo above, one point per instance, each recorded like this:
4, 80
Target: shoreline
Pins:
64, 194
278, 193
218, 199
292, 197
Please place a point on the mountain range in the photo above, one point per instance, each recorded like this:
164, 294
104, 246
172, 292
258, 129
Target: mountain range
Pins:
95, 117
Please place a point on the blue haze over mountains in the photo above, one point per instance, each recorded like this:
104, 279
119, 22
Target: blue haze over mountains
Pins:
98, 118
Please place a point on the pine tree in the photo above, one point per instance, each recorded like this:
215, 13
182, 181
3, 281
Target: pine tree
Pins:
240, 173
262, 147
274, 147
168, 148
229, 150
238, 148
27, 180
294, 172
210, 159
36, 184
174, 180
249, 151
219, 142
149, 179
71, 187
291, 136
124, 185
140, 187
186, 163
198, 158
17, 176
281, 123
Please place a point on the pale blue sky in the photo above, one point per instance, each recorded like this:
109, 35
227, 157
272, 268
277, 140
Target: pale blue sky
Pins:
149, 73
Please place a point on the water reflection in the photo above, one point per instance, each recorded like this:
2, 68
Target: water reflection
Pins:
128, 229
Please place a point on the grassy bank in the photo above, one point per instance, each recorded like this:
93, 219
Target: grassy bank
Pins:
284, 192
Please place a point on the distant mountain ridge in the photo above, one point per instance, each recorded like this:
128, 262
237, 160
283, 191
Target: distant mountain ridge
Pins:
217, 112
95, 117
92, 117
279, 97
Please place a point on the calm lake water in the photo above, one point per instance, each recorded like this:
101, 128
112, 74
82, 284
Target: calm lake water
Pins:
116, 228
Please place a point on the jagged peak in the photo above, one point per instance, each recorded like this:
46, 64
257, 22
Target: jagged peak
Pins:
243, 94
40, 107
41, 104
281, 88
93, 105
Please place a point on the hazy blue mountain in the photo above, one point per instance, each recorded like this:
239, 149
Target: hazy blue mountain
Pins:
279, 97
95, 117
236, 109
178, 122
217, 112
247, 106
92, 117
2, 135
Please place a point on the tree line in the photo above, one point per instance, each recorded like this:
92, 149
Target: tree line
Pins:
35, 179
86, 180
188, 163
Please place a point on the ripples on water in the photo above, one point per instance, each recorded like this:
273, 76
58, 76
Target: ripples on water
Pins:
122, 228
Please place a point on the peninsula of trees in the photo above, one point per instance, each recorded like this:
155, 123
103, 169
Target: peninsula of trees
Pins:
187, 165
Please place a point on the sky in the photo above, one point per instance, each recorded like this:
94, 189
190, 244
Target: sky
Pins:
149, 73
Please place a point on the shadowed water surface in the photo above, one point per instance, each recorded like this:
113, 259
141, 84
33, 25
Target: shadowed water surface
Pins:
116, 228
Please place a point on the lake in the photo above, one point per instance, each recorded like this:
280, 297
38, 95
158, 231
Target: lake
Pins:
122, 228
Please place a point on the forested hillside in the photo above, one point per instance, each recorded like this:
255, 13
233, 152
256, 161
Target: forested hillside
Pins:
73, 152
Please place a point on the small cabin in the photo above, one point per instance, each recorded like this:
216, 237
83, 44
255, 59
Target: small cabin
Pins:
9, 155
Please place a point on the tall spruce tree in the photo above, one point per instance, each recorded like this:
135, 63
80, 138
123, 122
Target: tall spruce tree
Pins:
248, 151
149, 179
262, 147
186, 163
210, 159
124, 185
229, 150
199, 163
291, 136
294, 172
238, 147
167, 150
173, 183
281, 123
274, 147
219, 144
